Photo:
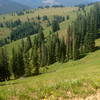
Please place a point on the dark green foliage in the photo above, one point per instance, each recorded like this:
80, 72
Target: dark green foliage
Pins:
24, 30
51, 49
41, 48
18, 65
55, 26
35, 57
69, 41
59, 19
55, 6
89, 42
20, 13
38, 17
27, 63
57, 49
28, 44
67, 17
39, 56
45, 18
11, 24
62, 51
4, 66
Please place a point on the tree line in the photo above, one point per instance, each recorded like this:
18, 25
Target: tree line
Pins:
43, 51
21, 29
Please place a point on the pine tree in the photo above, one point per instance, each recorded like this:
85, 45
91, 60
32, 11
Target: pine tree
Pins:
18, 66
89, 42
57, 48
55, 26
28, 44
4, 65
41, 48
27, 63
51, 49
76, 40
69, 43
43, 55
35, 56
62, 50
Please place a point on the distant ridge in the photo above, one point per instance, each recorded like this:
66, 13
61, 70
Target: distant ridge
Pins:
37, 3
8, 6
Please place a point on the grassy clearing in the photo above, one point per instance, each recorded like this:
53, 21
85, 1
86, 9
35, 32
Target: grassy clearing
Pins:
61, 81
41, 12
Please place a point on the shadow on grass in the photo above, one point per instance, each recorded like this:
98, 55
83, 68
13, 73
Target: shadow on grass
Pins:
7, 84
1, 98
97, 35
82, 56
97, 48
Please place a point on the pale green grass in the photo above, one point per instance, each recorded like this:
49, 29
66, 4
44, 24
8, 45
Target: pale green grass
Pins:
4, 32
41, 12
74, 78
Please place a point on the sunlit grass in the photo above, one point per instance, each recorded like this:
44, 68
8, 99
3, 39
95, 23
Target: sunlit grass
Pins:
74, 78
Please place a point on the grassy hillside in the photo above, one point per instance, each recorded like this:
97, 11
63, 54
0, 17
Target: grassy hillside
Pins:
71, 11
61, 81
50, 12
40, 12
38, 3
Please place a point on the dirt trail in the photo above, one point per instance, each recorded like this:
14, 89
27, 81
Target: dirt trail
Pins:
92, 97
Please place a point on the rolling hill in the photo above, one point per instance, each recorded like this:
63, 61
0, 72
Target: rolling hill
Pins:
17, 5
36, 3
8, 6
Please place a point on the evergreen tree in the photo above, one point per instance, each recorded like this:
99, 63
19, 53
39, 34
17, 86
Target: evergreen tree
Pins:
27, 63
51, 49
4, 65
35, 57
69, 43
28, 44
57, 48
23, 45
76, 39
62, 50
41, 48
89, 42
18, 66
55, 26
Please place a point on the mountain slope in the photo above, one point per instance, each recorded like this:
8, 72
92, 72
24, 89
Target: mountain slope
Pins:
7, 6
30, 3
36, 3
